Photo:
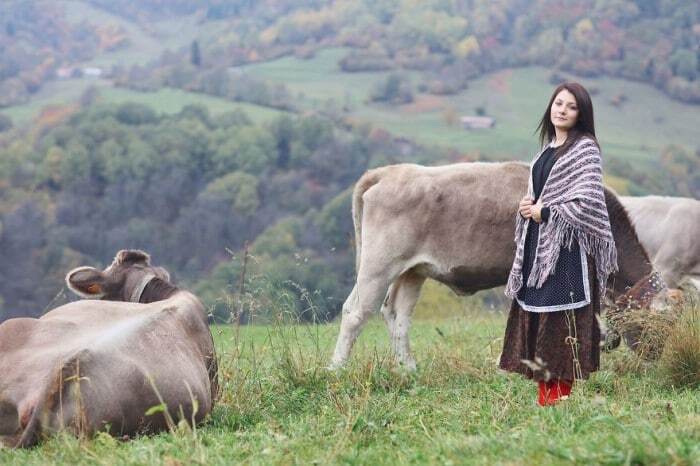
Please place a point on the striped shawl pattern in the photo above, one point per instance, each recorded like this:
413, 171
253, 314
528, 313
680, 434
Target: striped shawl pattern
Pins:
576, 200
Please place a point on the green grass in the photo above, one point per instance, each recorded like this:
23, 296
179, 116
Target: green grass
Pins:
165, 100
279, 406
51, 93
637, 130
168, 100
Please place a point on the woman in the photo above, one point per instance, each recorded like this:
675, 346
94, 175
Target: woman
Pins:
565, 252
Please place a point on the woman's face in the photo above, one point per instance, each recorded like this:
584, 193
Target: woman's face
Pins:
564, 111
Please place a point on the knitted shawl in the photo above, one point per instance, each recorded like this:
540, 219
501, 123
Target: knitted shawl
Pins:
576, 200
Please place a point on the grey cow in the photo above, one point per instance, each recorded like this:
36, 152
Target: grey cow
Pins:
669, 229
454, 224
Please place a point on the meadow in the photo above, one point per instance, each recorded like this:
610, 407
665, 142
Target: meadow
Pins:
279, 405
636, 129
164, 101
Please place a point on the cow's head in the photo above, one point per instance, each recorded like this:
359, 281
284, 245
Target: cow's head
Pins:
124, 279
651, 294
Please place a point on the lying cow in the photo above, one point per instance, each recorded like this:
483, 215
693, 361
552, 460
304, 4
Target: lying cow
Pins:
669, 229
454, 224
103, 365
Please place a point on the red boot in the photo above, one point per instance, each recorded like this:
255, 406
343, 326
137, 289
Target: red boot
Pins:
552, 391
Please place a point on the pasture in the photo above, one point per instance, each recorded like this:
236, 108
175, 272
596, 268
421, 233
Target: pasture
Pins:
164, 101
515, 97
280, 406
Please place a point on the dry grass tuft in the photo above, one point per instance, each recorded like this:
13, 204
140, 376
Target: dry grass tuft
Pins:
644, 330
680, 361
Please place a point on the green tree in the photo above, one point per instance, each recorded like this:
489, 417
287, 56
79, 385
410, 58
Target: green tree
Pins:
334, 221
135, 114
684, 63
238, 188
5, 123
248, 149
195, 56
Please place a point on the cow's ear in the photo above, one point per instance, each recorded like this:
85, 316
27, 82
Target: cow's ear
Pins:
132, 256
87, 282
162, 273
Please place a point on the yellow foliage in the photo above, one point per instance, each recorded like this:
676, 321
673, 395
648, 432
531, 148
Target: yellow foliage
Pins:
269, 35
466, 47
313, 20
583, 30
53, 160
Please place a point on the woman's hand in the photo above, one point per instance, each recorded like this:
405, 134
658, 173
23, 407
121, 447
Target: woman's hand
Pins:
525, 206
536, 212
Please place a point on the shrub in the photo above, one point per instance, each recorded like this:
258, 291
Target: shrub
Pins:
393, 89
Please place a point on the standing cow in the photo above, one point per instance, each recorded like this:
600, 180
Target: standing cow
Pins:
102, 364
669, 229
454, 224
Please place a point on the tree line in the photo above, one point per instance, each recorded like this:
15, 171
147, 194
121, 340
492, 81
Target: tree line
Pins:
192, 189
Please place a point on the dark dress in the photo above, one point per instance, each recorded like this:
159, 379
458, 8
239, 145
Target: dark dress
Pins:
558, 334
566, 289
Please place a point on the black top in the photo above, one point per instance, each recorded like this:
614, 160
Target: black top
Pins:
566, 288
540, 173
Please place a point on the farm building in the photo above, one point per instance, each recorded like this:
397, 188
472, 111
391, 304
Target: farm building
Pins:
477, 122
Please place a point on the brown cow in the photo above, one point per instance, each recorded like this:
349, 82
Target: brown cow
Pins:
96, 365
454, 224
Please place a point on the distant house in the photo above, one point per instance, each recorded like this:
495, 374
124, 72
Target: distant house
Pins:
477, 122
92, 72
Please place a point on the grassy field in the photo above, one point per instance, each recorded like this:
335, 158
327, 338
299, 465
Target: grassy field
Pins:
165, 100
280, 406
637, 129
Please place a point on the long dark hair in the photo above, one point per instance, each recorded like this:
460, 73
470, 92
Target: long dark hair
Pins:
584, 122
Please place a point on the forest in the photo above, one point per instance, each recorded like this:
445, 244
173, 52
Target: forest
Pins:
187, 189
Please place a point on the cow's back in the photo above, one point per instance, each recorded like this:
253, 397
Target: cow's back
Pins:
127, 357
455, 223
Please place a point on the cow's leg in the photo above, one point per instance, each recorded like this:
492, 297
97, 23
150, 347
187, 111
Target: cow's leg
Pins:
404, 300
388, 309
365, 297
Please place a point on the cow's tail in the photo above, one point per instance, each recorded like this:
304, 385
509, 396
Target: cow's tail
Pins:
366, 181
31, 433
53, 397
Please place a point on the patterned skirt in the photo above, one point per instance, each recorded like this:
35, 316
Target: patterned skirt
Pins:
554, 345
